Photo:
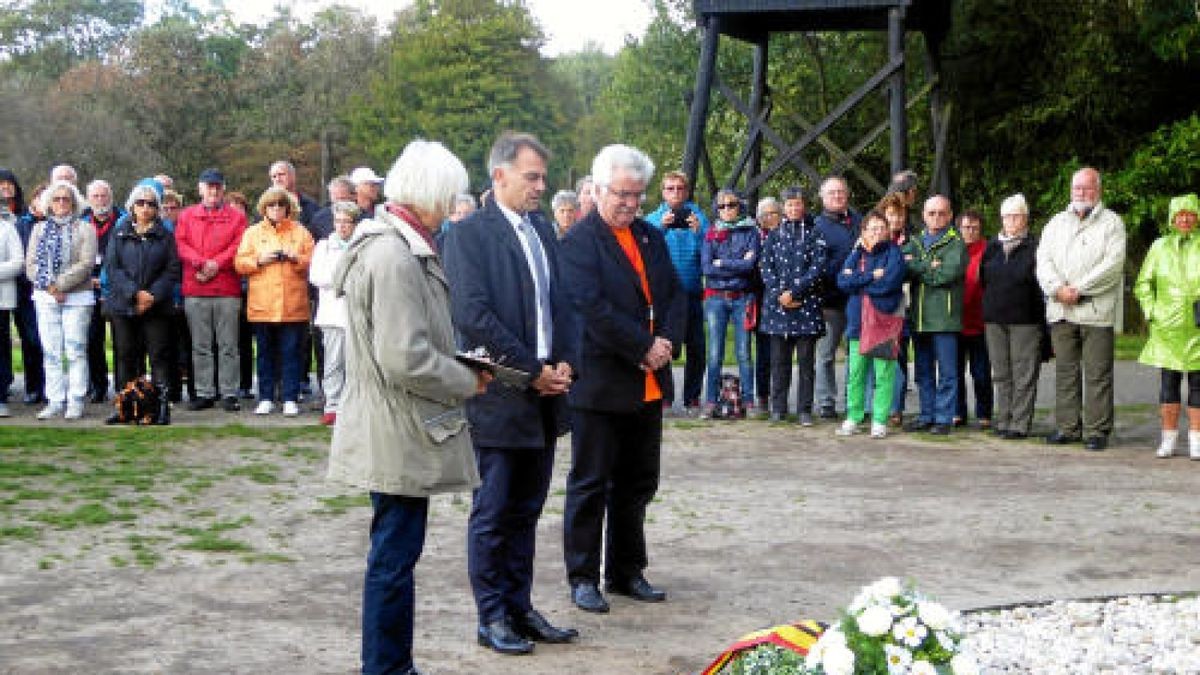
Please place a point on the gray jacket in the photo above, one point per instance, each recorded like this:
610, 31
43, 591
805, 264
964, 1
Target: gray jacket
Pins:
12, 262
77, 275
401, 428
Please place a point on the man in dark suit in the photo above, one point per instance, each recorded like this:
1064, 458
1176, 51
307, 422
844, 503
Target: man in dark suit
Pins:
506, 296
631, 310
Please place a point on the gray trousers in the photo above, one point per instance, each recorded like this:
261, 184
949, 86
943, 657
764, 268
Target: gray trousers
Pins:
333, 380
1083, 377
213, 323
825, 388
1015, 352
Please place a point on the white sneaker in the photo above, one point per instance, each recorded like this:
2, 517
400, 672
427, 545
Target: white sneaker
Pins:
878, 430
290, 409
4, 410
50, 411
1194, 445
74, 410
848, 428
264, 408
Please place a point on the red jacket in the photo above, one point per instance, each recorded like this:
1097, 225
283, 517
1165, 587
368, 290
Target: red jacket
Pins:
210, 234
972, 323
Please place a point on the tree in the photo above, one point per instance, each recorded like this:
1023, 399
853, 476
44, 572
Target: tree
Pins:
582, 77
48, 37
459, 72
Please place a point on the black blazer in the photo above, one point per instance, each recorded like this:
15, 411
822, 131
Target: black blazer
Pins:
492, 304
133, 263
614, 314
1011, 292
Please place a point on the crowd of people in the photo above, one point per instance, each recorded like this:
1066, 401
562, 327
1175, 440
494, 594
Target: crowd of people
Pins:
195, 298
416, 304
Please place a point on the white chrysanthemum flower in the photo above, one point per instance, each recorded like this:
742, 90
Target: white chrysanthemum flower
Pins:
909, 631
900, 610
946, 640
922, 667
875, 621
898, 659
839, 660
933, 615
962, 664
887, 587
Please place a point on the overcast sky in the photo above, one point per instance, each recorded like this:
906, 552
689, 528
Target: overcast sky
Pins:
568, 24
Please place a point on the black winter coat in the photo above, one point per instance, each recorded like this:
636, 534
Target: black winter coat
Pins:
1011, 293
134, 262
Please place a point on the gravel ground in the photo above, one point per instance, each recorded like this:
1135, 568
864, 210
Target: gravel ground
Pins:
1158, 634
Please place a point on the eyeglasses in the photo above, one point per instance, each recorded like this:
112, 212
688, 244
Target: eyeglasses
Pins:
282, 205
61, 199
771, 214
146, 202
626, 195
937, 213
730, 205
170, 207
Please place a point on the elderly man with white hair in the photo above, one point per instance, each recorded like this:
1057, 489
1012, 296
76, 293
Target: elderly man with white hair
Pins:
622, 283
402, 432
1079, 266
104, 215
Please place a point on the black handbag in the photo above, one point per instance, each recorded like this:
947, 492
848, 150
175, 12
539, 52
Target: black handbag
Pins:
1196, 313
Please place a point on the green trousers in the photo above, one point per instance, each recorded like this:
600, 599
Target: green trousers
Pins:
856, 385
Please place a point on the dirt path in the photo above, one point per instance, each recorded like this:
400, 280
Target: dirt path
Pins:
754, 525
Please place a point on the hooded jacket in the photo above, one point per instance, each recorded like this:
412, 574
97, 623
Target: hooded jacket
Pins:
402, 428
729, 256
1167, 289
135, 263
937, 290
793, 259
858, 279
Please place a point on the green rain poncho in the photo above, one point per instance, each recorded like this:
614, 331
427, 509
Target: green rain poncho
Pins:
1167, 288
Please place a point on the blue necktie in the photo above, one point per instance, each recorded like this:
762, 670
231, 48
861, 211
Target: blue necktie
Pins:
543, 276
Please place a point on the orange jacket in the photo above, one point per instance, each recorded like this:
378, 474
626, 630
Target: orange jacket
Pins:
277, 292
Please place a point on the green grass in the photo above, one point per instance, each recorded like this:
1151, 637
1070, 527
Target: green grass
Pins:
1129, 346
339, 504
96, 483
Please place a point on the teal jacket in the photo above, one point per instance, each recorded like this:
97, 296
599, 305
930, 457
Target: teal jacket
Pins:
936, 291
1166, 288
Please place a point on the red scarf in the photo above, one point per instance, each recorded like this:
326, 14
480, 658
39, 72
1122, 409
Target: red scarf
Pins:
411, 218
103, 226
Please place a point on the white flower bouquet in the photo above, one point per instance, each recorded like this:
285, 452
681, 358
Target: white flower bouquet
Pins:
891, 629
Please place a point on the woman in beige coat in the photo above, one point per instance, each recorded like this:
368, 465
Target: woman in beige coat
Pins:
401, 432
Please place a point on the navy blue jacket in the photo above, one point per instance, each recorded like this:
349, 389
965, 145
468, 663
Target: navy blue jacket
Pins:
135, 263
793, 260
615, 316
737, 270
493, 305
840, 234
887, 292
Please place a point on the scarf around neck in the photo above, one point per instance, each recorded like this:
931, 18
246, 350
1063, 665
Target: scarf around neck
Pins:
55, 241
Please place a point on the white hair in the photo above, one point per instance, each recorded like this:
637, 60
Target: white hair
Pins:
1014, 205
65, 168
765, 202
48, 196
140, 191
426, 176
564, 197
99, 183
613, 157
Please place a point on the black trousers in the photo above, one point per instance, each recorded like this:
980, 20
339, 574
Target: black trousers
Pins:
782, 348
135, 337
614, 473
31, 344
96, 357
502, 530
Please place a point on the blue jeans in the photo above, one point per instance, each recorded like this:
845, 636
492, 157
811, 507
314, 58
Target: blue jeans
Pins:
278, 353
389, 593
936, 370
719, 311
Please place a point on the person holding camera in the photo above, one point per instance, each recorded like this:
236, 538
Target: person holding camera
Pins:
274, 257
684, 225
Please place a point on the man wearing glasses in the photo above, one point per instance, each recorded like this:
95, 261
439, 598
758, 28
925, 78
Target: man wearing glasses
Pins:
683, 225
207, 236
937, 263
838, 226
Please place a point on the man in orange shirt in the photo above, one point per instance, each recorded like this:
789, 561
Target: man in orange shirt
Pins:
618, 273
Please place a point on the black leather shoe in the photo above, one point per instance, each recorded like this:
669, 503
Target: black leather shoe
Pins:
98, 397
231, 404
1095, 443
1059, 438
533, 626
917, 425
499, 636
638, 589
587, 597
114, 418
200, 404
828, 414
1015, 435
33, 399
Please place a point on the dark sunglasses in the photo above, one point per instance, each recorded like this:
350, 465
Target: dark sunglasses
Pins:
729, 205
146, 202
279, 204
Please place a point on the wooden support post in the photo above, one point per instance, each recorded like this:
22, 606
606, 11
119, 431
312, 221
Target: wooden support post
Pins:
699, 112
899, 120
758, 115
939, 182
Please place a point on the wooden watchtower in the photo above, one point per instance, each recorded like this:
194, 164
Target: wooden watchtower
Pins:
754, 21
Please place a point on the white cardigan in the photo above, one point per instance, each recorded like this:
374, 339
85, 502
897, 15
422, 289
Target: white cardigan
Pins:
331, 310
